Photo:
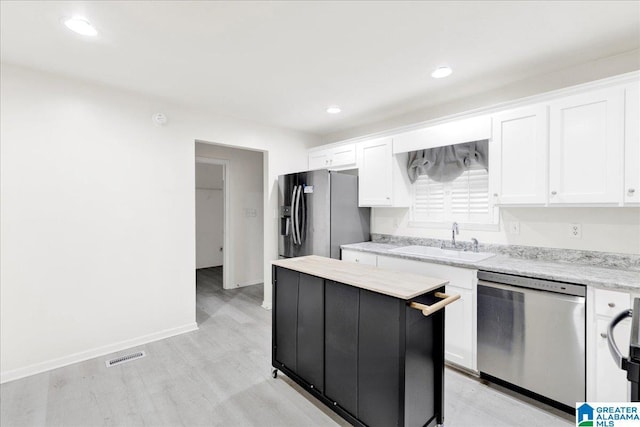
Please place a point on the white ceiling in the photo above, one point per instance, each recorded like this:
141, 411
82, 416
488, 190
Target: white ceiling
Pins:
283, 63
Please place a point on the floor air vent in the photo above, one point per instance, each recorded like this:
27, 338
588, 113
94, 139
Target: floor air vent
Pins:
124, 359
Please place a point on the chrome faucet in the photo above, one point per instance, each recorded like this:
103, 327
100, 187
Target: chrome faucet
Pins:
454, 231
475, 244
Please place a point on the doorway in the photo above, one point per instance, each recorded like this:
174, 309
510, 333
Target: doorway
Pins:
236, 176
212, 217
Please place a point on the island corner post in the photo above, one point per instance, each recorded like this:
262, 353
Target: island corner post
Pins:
371, 352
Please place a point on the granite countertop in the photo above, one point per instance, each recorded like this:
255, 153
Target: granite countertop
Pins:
599, 277
399, 285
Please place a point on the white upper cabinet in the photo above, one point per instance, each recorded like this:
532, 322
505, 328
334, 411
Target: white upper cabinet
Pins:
375, 186
632, 145
381, 178
576, 149
518, 156
586, 148
339, 157
318, 159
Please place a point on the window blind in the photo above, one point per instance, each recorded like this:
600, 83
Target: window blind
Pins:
464, 199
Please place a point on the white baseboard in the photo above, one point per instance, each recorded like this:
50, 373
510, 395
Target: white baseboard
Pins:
266, 305
48, 365
246, 283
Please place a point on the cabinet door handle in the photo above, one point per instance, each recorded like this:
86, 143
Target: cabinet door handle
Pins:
631, 191
603, 334
553, 193
428, 310
611, 304
357, 260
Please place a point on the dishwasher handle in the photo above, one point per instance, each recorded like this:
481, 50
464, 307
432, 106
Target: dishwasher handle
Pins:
576, 299
620, 360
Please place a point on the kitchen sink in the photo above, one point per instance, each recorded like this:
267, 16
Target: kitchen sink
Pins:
451, 254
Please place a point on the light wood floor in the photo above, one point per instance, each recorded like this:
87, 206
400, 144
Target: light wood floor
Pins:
220, 376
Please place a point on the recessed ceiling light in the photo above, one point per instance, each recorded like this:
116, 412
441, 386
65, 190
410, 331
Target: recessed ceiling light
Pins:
80, 26
334, 109
441, 72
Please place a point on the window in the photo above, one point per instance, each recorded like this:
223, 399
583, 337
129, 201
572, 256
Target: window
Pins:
465, 199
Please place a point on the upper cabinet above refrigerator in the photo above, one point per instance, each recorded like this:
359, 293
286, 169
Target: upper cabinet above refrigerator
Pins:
334, 158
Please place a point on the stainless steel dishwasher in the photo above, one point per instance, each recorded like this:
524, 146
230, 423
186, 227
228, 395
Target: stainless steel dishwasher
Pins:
531, 334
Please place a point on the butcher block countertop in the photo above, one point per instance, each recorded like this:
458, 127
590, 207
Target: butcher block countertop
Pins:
389, 282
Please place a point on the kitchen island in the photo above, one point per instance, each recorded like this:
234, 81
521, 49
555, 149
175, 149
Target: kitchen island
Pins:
367, 342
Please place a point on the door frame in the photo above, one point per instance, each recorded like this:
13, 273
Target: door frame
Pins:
227, 268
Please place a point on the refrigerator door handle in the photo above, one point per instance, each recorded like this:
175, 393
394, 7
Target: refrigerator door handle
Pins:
619, 359
303, 215
293, 213
297, 215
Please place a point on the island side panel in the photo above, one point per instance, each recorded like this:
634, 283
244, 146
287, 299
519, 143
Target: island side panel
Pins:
424, 365
379, 370
438, 351
310, 342
341, 345
286, 317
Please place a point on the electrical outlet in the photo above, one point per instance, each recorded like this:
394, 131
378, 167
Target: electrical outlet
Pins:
514, 227
575, 231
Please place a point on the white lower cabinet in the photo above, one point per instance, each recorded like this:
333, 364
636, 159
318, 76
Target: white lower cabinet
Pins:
459, 330
611, 381
360, 257
460, 317
606, 382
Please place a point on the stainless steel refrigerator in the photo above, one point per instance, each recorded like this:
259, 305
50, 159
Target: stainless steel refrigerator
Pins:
319, 212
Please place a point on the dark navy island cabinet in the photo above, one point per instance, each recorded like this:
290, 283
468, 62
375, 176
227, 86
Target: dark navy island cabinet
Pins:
369, 356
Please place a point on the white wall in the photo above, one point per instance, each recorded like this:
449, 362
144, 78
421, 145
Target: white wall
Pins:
593, 70
97, 223
246, 190
210, 215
